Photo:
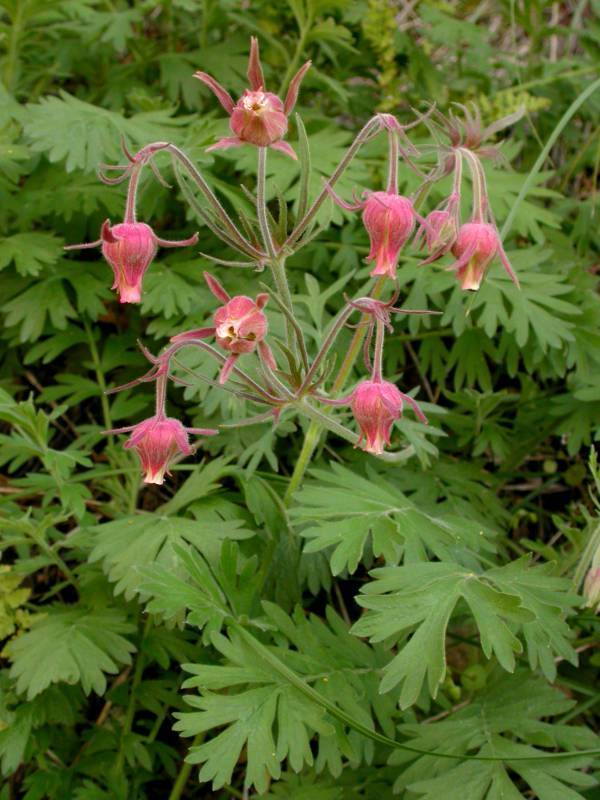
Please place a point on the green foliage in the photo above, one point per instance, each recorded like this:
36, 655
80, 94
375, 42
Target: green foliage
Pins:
71, 645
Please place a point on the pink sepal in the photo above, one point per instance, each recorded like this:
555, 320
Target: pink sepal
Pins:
285, 148
219, 91
216, 288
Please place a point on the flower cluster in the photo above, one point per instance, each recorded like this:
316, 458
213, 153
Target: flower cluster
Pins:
240, 327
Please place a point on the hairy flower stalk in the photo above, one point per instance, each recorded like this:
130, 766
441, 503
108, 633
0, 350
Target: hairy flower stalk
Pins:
130, 247
389, 218
159, 439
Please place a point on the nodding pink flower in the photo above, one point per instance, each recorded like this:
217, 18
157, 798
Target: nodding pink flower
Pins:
259, 117
389, 220
376, 405
157, 441
129, 248
240, 326
476, 245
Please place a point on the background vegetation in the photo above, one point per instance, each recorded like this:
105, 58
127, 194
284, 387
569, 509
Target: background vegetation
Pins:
207, 602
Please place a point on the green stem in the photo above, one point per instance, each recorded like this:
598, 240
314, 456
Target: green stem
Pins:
293, 65
261, 203
12, 56
562, 124
129, 714
283, 290
309, 445
313, 433
347, 719
99, 374
184, 772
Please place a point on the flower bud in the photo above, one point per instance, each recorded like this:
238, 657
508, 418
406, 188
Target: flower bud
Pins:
157, 441
129, 248
440, 231
376, 405
476, 246
258, 118
389, 220
591, 588
241, 324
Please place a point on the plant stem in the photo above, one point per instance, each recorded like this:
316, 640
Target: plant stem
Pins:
129, 714
261, 203
293, 65
12, 56
392, 181
562, 124
276, 263
313, 433
367, 132
184, 772
134, 180
99, 374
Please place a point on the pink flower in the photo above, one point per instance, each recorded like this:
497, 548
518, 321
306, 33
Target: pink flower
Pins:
259, 117
240, 326
389, 220
157, 441
475, 247
129, 248
376, 405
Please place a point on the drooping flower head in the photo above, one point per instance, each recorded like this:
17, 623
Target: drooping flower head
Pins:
259, 117
389, 220
157, 441
476, 245
240, 326
376, 405
129, 248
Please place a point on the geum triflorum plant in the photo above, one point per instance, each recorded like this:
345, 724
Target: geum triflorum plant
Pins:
240, 325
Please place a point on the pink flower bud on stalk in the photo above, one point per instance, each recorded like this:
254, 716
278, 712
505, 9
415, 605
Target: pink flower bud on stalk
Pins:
130, 247
376, 405
240, 327
475, 247
259, 117
157, 441
389, 219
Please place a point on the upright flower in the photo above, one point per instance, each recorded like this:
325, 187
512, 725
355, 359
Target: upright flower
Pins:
259, 117
240, 326
376, 405
476, 245
129, 248
157, 441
